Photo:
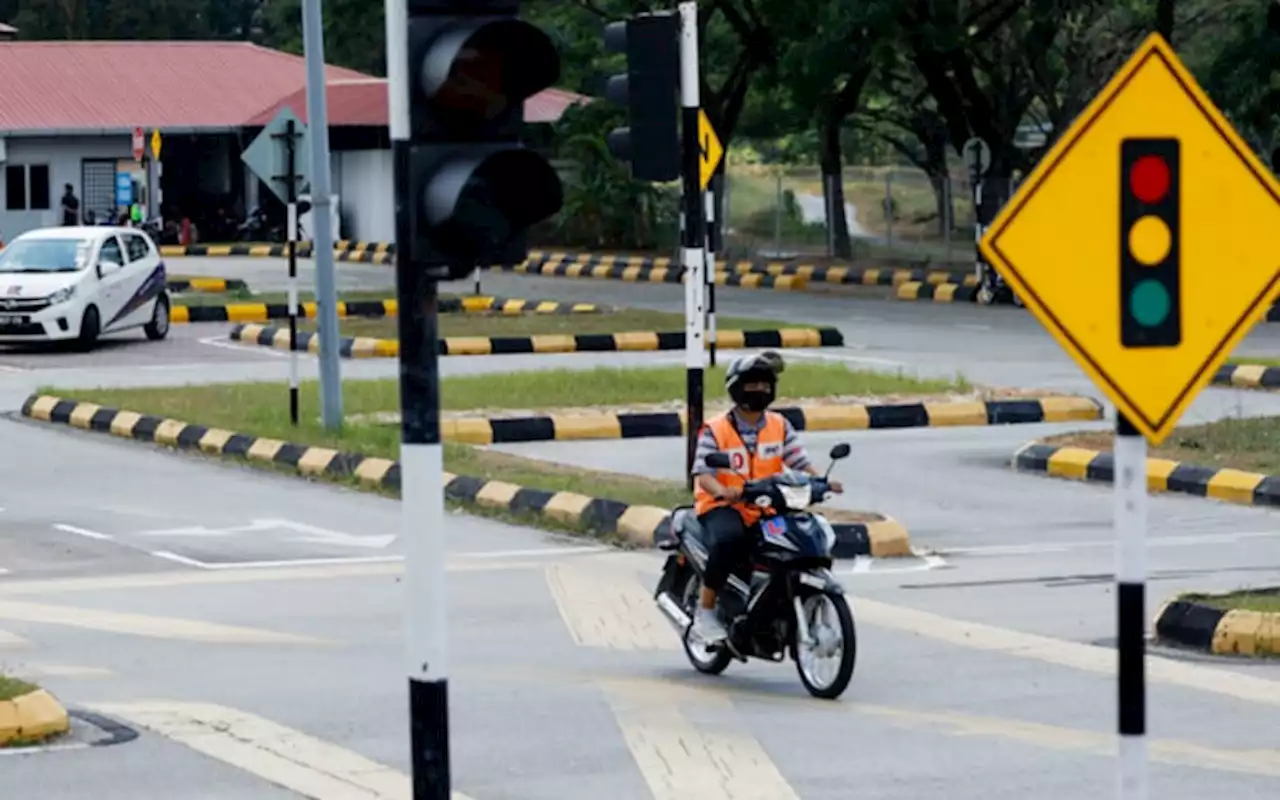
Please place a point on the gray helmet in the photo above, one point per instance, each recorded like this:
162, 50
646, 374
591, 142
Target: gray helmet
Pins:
765, 366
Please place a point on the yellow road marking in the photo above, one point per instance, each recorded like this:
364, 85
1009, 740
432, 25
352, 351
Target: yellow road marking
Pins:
143, 625
606, 608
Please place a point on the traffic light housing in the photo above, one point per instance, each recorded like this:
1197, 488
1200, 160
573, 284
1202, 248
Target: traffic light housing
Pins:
475, 188
650, 92
1150, 230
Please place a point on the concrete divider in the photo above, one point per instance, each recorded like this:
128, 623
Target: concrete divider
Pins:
210, 285
937, 292
1247, 376
1188, 621
266, 312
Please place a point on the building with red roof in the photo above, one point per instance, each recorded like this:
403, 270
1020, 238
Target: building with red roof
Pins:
68, 110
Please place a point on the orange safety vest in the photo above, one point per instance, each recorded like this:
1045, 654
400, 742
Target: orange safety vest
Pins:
765, 462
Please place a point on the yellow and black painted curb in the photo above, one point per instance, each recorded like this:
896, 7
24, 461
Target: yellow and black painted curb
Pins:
642, 526
635, 341
209, 285
936, 292
825, 417
32, 718
265, 312
1247, 376
1186, 622
1163, 475
247, 250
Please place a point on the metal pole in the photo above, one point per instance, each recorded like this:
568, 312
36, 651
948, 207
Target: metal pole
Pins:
421, 458
476, 275
1131, 574
291, 224
709, 272
322, 237
694, 238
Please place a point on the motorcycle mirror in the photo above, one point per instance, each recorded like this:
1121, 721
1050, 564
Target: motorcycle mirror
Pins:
719, 460
840, 451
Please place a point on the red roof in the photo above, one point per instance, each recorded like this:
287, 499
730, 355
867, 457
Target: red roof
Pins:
364, 102
92, 85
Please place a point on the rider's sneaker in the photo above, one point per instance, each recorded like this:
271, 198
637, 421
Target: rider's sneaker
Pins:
707, 627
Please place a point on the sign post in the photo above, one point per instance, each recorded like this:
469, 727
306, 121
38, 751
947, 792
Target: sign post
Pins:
139, 145
710, 152
153, 178
693, 246
1178, 266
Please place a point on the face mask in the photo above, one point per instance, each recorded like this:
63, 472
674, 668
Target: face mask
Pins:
756, 401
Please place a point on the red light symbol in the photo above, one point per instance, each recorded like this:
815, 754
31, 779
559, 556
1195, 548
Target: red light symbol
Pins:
1149, 179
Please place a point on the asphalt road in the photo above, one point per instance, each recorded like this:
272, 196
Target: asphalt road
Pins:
248, 624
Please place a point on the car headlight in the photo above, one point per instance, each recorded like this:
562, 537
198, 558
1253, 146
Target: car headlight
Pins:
62, 295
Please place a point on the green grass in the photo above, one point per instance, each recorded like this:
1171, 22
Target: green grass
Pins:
544, 324
1265, 600
1262, 361
12, 687
1251, 444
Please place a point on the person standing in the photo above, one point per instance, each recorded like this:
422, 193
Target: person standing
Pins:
70, 206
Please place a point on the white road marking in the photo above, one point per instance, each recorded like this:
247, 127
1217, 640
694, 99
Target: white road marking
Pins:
297, 562
224, 343
866, 565
18, 370
550, 552
144, 625
309, 533
86, 533
678, 761
1063, 547
8, 639
609, 608
851, 359
1085, 657
286, 757
61, 671
971, 326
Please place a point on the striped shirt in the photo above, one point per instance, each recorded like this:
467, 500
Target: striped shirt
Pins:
793, 452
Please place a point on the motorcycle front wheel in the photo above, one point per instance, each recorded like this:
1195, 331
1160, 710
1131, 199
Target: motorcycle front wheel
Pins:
833, 641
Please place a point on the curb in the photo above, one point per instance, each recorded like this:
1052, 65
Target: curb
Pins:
1247, 376
642, 526
265, 312
855, 276
210, 285
559, 427
33, 717
1182, 621
1163, 475
937, 292
233, 250
633, 341
647, 270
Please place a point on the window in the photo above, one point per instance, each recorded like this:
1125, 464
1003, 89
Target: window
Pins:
138, 249
15, 188
26, 187
110, 252
38, 184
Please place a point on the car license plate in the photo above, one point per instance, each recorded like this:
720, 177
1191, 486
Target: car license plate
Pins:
13, 319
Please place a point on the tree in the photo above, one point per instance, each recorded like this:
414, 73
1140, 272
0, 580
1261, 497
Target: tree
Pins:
355, 32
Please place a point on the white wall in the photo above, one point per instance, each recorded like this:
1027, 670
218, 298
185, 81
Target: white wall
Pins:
64, 156
365, 181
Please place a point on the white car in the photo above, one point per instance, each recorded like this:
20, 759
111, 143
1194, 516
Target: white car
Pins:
76, 284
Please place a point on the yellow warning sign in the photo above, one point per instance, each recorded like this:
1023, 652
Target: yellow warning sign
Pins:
712, 150
155, 144
1147, 240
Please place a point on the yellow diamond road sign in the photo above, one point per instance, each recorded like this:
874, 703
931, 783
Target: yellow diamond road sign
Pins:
712, 150
155, 143
1147, 240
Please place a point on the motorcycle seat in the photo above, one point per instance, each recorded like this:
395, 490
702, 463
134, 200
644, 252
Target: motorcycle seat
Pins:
685, 523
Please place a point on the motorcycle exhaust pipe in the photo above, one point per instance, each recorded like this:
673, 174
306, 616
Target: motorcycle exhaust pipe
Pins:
674, 614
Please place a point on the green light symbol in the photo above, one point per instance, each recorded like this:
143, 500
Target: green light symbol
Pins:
1149, 304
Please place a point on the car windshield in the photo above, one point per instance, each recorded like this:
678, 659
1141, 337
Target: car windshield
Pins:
45, 255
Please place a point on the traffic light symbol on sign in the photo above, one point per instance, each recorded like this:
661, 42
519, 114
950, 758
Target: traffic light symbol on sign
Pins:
1150, 280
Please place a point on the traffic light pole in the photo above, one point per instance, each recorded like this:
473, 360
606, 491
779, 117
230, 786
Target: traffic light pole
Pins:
694, 241
1131, 574
421, 456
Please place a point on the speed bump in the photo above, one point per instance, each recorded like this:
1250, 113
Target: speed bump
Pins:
873, 535
647, 341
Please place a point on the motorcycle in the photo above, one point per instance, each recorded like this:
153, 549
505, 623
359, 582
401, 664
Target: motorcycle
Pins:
785, 600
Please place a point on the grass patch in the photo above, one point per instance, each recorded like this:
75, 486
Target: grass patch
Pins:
1264, 600
12, 687
261, 408
1250, 444
543, 324
1264, 361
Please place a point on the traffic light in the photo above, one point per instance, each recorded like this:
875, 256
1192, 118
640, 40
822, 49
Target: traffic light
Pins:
650, 92
476, 188
1150, 291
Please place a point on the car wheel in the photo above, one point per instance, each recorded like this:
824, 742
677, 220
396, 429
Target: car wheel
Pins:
158, 327
90, 328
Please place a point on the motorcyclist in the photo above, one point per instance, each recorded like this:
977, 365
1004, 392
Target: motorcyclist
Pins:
760, 443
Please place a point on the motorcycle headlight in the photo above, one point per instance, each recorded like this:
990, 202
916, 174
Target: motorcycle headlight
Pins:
62, 295
828, 532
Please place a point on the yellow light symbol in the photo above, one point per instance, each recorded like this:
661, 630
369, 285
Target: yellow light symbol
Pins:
1150, 240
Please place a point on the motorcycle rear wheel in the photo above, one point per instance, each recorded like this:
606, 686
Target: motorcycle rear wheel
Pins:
832, 689
704, 661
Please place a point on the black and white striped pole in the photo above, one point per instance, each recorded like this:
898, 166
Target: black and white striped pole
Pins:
709, 273
694, 236
291, 229
1131, 575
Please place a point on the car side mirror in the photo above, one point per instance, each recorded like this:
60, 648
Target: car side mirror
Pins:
840, 451
719, 460
105, 266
